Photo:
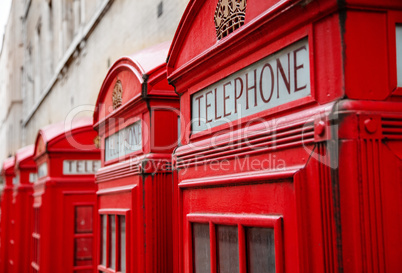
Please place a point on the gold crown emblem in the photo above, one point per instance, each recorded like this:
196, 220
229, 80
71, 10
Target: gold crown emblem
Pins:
97, 142
117, 94
229, 16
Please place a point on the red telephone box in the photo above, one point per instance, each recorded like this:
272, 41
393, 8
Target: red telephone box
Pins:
63, 234
8, 175
20, 231
291, 152
136, 117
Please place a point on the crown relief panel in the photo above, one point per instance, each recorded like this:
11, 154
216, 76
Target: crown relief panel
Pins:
117, 94
229, 16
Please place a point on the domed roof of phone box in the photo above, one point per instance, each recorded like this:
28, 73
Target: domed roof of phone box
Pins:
24, 156
141, 75
66, 137
8, 166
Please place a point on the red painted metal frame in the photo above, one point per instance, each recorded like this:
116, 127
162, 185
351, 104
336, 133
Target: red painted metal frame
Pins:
340, 192
20, 234
8, 175
241, 221
117, 212
56, 194
394, 17
139, 184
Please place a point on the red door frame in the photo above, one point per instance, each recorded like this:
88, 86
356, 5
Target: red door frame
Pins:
8, 175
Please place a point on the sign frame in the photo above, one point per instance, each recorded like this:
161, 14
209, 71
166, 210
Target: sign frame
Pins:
75, 169
106, 144
268, 50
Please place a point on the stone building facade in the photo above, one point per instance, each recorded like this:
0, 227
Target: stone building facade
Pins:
11, 62
56, 54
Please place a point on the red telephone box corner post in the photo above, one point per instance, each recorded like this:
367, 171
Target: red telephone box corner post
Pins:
8, 175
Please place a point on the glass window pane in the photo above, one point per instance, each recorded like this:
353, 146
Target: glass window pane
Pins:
112, 246
260, 250
38, 251
36, 220
34, 242
83, 219
178, 131
201, 248
103, 243
83, 251
122, 220
35, 254
227, 249
398, 36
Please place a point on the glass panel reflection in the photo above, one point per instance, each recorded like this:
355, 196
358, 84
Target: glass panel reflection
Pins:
83, 251
260, 250
112, 219
122, 220
201, 248
227, 249
103, 243
83, 219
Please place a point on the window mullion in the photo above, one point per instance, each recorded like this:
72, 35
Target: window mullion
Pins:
118, 265
107, 241
242, 249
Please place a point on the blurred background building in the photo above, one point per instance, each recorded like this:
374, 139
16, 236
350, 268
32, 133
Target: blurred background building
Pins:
56, 54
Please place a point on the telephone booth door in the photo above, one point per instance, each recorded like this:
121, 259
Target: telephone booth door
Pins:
8, 175
80, 230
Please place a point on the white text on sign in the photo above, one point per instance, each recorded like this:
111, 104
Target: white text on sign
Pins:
124, 142
81, 166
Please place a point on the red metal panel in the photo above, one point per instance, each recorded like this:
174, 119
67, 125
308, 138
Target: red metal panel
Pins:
371, 82
394, 17
6, 210
372, 189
